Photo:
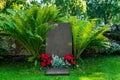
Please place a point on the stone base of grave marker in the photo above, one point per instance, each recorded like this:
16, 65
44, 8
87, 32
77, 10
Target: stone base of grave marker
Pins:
57, 71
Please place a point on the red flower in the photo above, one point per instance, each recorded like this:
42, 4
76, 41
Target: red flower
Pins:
46, 60
73, 62
44, 56
70, 59
49, 62
71, 55
43, 64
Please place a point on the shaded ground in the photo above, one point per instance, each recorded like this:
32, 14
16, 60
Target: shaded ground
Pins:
99, 68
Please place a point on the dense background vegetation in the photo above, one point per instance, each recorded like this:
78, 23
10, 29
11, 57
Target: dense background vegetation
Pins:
95, 31
26, 22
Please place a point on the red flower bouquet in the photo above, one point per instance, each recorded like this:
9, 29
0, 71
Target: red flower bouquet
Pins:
45, 60
69, 58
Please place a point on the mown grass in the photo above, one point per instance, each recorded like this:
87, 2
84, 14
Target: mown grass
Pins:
99, 68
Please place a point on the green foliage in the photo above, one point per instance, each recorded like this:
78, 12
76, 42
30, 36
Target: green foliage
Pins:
116, 19
1, 49
114, 48
30, 27
72, 7
2, 4
87, 35
57, 62
6, 4
68, 7
1, 57
104, 9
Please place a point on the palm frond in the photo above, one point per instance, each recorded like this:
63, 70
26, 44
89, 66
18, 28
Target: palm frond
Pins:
86, 35
29, 27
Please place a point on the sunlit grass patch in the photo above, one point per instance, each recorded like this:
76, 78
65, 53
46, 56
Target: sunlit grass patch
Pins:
99, 68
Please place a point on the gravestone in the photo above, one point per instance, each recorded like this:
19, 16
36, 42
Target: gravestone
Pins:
59, 42
57, 71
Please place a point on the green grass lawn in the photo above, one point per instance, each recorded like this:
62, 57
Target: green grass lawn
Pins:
99, 68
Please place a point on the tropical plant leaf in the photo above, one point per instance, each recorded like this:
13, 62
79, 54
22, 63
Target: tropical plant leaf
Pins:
31, 59
30, 26
87, 35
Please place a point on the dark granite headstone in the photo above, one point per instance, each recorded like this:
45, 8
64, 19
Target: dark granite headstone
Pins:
59, 42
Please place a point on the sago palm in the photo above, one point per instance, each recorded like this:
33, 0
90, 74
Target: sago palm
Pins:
86, 35
29, 27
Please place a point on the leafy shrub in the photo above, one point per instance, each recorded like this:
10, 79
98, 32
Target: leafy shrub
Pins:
86, 35
70, 7
104, 9
29, 27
